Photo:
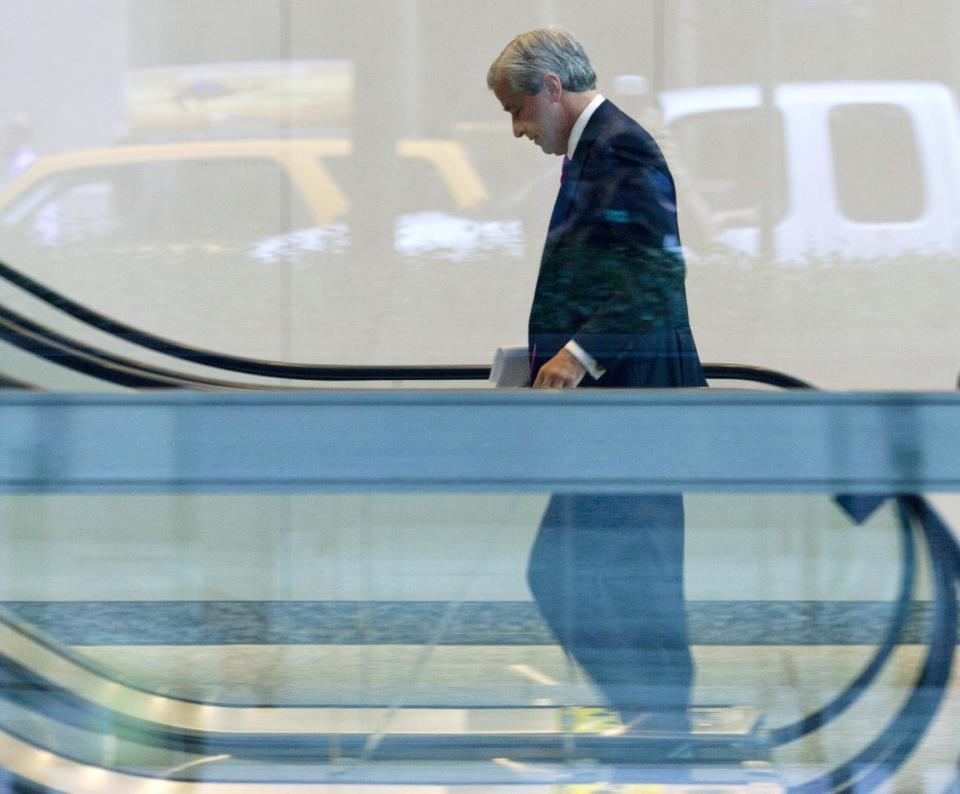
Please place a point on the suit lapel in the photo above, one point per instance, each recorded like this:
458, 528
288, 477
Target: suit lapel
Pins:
564, 199
564, 202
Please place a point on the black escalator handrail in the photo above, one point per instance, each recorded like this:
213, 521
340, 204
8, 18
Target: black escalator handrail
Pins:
273, 369
72, 357
744, 372
41, 341
13, 384
845, 699
812, 722
876, 763
294, 371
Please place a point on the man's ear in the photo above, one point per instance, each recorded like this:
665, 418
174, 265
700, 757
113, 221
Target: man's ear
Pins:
554, 87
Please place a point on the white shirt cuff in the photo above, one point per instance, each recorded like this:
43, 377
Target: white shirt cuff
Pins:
585, 358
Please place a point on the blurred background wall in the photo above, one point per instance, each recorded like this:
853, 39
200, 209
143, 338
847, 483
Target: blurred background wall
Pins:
870, 308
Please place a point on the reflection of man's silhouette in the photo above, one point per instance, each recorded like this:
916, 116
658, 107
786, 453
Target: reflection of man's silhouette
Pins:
609, 311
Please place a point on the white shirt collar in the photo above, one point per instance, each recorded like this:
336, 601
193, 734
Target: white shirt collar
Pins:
581, 124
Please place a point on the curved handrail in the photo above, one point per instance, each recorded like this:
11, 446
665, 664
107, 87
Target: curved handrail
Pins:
52, 346
878, 761
42, 342
812, 722
845, 699
82, 357
249, 366
13, 384
745, 372
891, 749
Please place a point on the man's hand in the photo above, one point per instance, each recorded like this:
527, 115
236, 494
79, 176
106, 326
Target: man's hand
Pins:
563, 371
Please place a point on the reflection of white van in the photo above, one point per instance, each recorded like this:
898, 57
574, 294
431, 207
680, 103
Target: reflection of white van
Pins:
848, 169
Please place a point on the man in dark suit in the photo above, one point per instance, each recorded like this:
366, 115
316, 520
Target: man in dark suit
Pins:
609, 311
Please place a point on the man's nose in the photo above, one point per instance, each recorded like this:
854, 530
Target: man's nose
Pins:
517, 129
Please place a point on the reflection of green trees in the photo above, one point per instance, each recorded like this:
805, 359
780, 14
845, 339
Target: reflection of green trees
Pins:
609, 290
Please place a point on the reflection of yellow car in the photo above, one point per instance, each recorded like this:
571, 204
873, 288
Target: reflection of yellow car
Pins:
271, 198
189, 240
229, 190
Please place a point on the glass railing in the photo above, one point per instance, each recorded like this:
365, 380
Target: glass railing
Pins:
346, 590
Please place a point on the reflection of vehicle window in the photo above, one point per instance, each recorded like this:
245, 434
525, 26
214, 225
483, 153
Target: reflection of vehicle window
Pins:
83, 212
424, 189
723, 152
66, 212
225, 200
420, 186
423, 210
876, 163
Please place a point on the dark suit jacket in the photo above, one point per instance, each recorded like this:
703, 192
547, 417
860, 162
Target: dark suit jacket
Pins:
612, 274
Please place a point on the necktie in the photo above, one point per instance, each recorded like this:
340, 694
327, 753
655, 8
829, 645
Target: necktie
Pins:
563, 171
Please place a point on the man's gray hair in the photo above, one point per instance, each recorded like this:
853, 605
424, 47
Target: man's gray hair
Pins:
526, 59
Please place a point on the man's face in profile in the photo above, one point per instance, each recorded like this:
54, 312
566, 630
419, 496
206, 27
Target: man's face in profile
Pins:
534, 116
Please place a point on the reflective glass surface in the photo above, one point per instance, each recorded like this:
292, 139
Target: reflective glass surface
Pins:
397, 636
323, 181
300, 570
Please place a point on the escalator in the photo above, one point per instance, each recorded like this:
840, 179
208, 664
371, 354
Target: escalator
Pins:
63, 717
67, 724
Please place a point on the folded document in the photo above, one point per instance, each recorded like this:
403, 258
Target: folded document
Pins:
511, 367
